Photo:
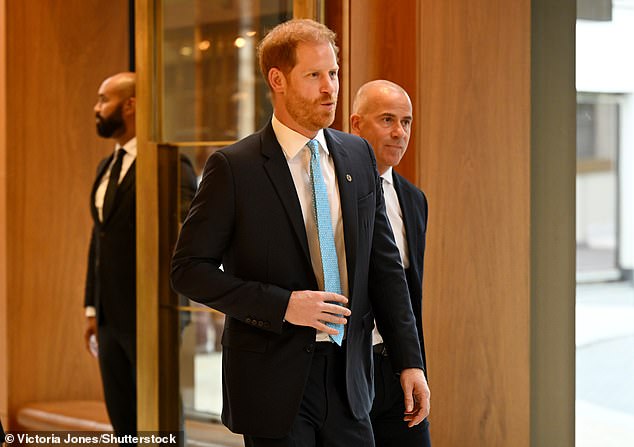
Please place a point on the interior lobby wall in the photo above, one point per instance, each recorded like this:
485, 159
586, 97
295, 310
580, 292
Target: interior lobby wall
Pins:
494, 134
54, 56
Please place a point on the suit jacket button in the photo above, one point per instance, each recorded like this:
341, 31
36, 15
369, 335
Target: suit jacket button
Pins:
260, 323
248, 320
309, 348
254, 322
267, 324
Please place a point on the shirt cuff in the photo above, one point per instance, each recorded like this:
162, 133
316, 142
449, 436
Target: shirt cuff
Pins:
91, 311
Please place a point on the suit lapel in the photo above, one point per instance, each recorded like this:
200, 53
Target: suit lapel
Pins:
276, 168
407, 207
348, 198
100, 172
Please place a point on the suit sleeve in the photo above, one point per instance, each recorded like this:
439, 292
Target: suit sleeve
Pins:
89, 294
388, 291
187, 186
205, 238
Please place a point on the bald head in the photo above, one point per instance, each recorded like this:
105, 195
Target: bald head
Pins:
370, 91
382, 114
115, 109
123, 84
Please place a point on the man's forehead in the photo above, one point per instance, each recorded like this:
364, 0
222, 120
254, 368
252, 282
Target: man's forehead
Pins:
393, 112
304, 52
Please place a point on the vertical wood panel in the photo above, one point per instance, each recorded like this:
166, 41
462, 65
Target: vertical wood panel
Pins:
383, 38
58, 52
147, 220
4, 392
553, 247
474, 117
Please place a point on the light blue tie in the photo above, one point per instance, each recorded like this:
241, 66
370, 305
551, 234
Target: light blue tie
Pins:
321, 208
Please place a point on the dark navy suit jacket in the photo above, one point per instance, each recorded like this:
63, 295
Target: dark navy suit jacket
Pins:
413, 205
246, 216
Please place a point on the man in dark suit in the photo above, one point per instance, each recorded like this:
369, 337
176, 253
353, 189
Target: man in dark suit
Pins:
110, 298
382, 114
295, 215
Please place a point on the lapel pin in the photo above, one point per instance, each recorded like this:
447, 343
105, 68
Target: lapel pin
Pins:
348, 177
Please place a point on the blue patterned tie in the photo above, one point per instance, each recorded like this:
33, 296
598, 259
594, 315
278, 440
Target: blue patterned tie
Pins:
321, 208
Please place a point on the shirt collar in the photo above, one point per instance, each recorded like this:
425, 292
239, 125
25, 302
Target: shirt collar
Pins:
387, 176
293, 142
130, 147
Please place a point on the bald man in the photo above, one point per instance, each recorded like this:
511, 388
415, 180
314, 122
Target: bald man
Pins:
110, 300
382, 114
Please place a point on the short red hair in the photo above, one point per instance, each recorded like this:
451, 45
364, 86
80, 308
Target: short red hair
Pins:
277, 49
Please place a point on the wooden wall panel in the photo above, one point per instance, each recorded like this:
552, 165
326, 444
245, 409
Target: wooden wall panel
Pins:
553, 246
473, 115
58, 52
4, 392
383, 42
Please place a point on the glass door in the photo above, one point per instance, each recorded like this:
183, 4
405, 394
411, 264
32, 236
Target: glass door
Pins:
199, 90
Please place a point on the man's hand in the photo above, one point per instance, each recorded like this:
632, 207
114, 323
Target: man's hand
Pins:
416, 394
314, 309
91, 329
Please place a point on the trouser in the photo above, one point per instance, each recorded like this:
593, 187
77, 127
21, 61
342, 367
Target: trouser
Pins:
324, 418
388, 409
117, 361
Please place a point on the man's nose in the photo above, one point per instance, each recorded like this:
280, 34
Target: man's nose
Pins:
329, 85
398, 131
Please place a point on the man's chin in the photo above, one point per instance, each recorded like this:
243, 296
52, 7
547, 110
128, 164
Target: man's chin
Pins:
326, 121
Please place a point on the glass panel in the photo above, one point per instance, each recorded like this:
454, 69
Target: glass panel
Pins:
212, 88
605, 229
200, 361
201, 327
597, 187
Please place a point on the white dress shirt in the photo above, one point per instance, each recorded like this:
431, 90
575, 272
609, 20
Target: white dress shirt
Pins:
128, 158
298, 158
395, 216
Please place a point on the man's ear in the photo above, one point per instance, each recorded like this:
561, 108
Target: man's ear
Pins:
130, 105
355, 121
277, 80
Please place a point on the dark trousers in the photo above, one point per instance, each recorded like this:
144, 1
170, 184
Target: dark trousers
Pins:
117, 361
388, 409
324, 418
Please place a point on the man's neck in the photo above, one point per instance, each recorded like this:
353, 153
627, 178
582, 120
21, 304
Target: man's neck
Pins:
123, 139
285, 118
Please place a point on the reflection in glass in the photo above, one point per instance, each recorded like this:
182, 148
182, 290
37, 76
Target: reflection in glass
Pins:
212, 89
200, 327
200, 361
212, 94
597, 185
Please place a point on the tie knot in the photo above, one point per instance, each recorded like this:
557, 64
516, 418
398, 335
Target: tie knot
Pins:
313, 145
120, 153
